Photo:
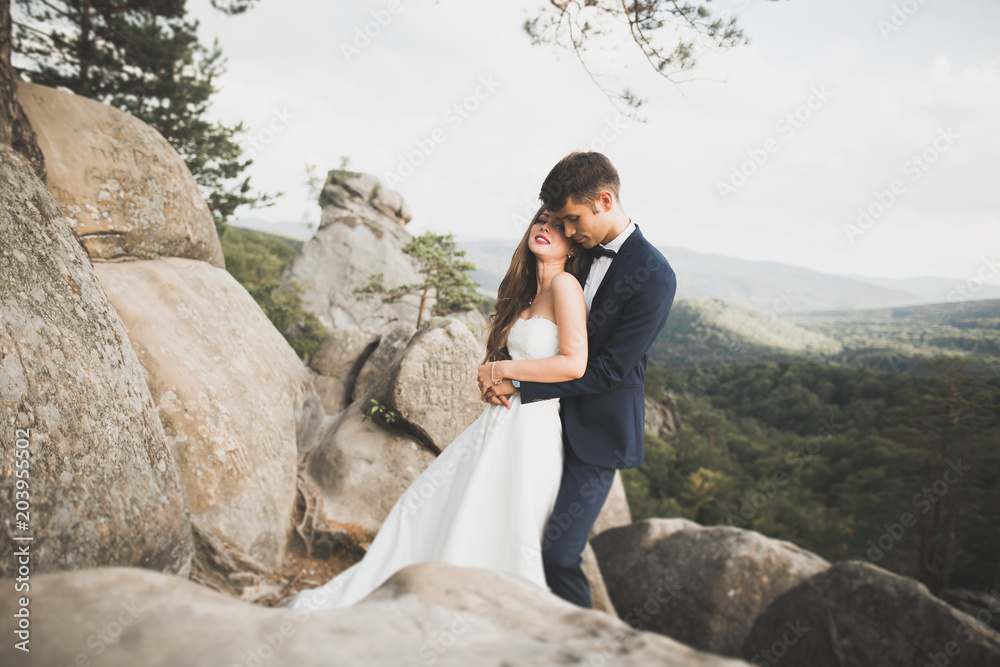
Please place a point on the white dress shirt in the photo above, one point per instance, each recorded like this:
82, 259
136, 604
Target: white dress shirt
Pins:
599, 267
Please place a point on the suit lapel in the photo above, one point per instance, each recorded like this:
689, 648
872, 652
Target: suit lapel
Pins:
618, 264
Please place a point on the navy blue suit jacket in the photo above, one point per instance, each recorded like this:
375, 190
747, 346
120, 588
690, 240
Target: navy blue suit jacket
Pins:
604, 411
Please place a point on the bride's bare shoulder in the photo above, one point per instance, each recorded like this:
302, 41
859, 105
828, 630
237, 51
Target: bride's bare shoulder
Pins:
566, 282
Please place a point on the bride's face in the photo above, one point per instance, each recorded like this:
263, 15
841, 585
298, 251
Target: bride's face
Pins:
549, 239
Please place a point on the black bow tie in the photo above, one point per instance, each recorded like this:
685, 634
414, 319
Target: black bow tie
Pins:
601, 251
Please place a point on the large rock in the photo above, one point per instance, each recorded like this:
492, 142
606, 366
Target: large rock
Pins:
233, 396
662, 418
984, 606
360, 234
337, 361
856, 614
386, 355
102, 486
427, 613
711, 582
432, 387
123, 187
361, 469
355, 240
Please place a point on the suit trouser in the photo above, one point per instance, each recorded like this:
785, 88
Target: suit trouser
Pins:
581, 496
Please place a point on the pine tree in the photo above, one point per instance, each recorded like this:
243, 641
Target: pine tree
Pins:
438, 260
946, 422
145, 59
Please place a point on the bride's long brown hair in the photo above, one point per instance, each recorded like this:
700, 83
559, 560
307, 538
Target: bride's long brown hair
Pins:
517, 290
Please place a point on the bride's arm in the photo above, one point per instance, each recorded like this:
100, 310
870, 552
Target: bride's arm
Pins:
571, 318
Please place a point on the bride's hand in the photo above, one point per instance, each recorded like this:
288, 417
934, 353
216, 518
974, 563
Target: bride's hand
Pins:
487, 372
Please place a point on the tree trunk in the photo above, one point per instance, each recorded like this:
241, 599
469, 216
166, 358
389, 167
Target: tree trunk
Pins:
15, 129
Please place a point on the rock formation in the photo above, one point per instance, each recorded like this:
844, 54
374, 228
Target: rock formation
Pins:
360, 233
856, 614
337, 362
428, 613
355, 240
124, 189
707, 584
360, 468
101, 485
432, 384
662, 417
232, 395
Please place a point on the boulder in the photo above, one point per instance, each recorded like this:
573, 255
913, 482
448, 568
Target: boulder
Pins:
233, 396
102, 485
984, 606
355, 239
709, 582
337, 361
856, 614
427, 613
361, 469
124, 189
615, 511
432, 386
391, 203
662, 417
386, 355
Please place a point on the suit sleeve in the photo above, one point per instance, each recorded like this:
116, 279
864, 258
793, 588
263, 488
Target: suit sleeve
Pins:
643, 316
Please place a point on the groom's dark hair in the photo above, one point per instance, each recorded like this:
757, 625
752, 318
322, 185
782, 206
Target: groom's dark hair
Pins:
581, 176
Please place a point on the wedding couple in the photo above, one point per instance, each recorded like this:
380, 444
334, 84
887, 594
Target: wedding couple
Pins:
519, 490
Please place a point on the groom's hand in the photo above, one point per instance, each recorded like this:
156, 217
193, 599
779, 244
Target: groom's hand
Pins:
498, 393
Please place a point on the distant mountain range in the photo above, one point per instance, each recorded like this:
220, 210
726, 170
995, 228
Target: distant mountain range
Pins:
768, 286
706, 332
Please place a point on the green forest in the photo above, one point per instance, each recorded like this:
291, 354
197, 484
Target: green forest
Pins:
853, 464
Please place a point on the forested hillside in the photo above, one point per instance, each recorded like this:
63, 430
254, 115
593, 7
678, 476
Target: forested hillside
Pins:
896, 469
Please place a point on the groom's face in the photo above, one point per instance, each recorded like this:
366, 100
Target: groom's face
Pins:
581, 223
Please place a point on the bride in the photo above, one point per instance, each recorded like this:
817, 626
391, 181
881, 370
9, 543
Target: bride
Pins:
486, 499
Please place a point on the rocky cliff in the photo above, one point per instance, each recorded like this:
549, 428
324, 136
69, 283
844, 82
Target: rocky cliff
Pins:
187, 472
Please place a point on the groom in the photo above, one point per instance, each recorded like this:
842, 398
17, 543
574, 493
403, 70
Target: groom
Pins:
628, 290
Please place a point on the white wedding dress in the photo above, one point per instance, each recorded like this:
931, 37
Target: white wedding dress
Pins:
483, 502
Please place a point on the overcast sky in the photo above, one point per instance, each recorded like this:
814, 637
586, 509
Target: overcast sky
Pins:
832, 103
